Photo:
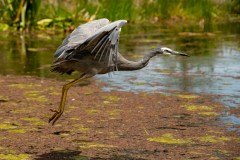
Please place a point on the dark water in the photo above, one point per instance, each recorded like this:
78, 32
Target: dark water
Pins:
212, 68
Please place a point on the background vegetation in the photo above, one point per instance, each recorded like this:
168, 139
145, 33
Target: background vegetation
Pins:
27, 14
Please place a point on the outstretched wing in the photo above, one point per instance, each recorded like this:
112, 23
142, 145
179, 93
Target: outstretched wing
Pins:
79, 36
101, 43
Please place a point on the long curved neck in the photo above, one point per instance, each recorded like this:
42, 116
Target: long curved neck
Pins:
126, 65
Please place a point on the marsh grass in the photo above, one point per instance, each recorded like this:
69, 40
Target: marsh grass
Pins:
63, 14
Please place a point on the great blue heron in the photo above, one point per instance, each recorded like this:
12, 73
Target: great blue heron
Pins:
91, 49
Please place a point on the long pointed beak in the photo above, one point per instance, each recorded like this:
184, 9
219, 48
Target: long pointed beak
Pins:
179, 53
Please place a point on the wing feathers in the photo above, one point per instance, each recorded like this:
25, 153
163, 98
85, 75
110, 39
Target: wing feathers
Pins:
100, 38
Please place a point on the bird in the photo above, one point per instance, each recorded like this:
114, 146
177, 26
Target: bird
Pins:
91, 49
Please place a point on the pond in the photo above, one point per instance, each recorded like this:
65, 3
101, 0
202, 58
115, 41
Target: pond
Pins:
212, 68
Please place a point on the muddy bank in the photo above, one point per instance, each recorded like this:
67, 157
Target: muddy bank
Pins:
109, 125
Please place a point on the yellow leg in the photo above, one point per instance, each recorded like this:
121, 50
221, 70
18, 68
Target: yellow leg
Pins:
60, 110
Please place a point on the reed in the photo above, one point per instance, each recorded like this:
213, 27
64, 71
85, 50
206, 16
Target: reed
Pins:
62, 14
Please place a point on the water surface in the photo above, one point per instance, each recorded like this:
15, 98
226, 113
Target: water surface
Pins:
212, 68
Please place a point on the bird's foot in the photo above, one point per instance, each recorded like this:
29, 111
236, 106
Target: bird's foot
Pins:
55, 116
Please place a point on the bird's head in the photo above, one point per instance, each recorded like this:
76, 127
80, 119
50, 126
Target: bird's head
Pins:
168, 51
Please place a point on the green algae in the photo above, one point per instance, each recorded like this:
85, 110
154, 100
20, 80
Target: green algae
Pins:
198, 108
39, 123
187, 96
106, 102
214, 139
1, 138
225, 152
14, 157
74, 118
202, 109
23, 86
10, 104
81, 127
23, 110
34, 95
7, 150
93, 111
5, 126
111, 98
55, 93
3, 98
87, 145
31, 119
90, 121
17, 131
169, 139
114, 112
84, 129
209, 113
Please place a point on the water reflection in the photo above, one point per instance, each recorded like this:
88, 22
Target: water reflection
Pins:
213, 68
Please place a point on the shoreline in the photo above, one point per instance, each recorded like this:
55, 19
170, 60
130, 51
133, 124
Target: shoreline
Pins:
109, 125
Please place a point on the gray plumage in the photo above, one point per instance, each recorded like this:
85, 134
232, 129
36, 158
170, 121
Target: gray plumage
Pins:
91, 49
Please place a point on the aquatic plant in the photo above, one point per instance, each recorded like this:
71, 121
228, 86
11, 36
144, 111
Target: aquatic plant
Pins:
21, 14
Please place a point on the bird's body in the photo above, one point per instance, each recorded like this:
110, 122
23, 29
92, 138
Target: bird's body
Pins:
91, 49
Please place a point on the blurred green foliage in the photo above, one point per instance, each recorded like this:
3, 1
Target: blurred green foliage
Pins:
25, 14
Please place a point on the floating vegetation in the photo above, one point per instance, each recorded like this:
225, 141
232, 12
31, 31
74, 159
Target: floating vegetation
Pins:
187, 96
209, 113
39, 123
3, 99
4, 126
86, 145
1, 138
168, 138
15, 156
202, 109
198, 108
23, 86
55, 93
82, 128
35, 96
10, 104
214, 139
92, 111
23, 110
74, 118
113, 113
111, 98
31, 119
17, 130
32, 93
